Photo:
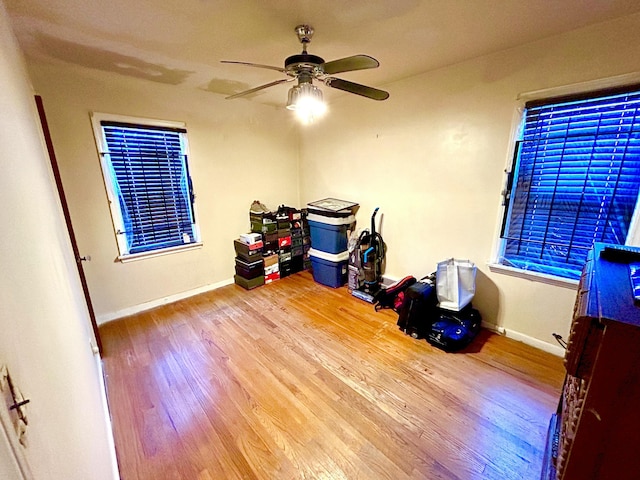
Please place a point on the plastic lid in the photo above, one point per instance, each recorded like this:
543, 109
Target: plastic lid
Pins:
312, 217
330, 257
333, 204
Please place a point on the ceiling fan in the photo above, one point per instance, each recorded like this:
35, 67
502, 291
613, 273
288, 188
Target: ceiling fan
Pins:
306, 67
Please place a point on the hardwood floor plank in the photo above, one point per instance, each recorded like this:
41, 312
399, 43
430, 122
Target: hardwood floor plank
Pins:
295, 380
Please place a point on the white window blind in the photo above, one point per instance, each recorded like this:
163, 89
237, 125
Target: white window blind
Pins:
149, 177
576, 181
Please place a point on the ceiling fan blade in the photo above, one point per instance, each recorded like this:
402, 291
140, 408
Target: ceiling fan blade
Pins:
261, 87
356, 88
247, 64
348, 64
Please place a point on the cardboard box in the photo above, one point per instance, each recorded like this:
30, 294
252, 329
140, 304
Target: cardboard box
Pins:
284, 242
270, 260
246, 253
248, 284
272, 277
250, 238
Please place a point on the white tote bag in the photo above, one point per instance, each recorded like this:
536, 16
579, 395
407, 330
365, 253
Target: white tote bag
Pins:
455, 283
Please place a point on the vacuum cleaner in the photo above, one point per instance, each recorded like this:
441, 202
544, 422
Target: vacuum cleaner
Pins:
367, 262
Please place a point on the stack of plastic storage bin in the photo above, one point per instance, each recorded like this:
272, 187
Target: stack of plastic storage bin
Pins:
331, 222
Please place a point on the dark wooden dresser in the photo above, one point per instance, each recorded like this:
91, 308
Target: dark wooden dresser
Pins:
595, 434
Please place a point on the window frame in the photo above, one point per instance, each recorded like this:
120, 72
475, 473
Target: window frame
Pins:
108, 177
587, 89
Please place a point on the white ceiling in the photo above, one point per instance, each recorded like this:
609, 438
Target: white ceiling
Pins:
182, 42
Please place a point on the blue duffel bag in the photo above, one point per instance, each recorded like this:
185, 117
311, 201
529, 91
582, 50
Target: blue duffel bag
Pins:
452, 330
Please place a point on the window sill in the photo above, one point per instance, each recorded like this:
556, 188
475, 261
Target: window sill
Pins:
158, 253
534, 276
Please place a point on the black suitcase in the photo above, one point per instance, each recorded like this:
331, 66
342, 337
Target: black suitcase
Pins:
418, 310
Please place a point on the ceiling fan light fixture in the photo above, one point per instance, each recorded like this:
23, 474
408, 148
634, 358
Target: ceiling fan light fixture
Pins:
305, 99
307, 102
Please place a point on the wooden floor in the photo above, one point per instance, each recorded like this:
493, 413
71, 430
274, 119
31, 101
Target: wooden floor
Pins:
296, 380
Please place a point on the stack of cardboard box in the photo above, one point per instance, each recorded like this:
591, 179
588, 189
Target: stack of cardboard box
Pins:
249, 262
279, 240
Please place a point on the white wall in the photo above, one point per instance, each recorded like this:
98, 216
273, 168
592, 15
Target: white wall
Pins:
44, 325
432, 158
239, 152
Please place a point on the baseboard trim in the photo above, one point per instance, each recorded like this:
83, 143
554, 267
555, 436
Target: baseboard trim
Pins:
556, 350
493, 327
107, 416
108, 317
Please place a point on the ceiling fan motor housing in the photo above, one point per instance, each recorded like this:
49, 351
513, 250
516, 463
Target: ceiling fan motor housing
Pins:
296, 64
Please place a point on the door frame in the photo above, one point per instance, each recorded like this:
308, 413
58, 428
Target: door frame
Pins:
67, 219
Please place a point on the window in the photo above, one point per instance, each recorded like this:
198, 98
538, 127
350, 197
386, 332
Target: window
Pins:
575, 181
145, 168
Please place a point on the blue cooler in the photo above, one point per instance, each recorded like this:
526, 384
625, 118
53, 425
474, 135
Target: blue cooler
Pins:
329, 269
330, 234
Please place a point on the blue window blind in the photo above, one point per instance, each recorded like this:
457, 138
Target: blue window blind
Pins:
151, 180
577, 176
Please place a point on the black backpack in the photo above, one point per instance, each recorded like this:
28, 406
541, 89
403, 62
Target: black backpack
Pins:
393, 295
